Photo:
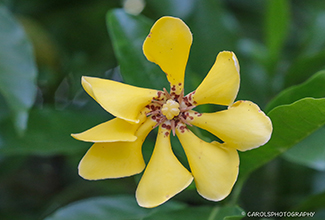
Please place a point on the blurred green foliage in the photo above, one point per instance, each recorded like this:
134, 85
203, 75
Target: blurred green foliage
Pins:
46, 46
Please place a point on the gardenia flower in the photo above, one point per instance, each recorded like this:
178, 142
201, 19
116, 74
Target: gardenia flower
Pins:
117, 148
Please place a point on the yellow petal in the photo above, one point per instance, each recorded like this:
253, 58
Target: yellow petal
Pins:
121, 100
213, 165
164, 176
221, 84
243, 125
115, 159
110, 131
168, 45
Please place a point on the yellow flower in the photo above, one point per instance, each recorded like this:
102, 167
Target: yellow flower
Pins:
117, 152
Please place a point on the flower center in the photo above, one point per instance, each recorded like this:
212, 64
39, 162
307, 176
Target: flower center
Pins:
173, 111
170, 109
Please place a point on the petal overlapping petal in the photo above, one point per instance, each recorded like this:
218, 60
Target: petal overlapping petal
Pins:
168, 45
213, 165
121, 100
111, 131
221, 84
164, 176
115, 159
117, 151
243, 125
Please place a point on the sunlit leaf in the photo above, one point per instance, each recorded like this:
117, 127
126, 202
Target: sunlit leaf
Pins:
291, 124
17, 69
128, 34
313, 87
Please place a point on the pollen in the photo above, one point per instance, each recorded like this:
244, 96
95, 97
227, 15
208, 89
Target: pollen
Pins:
170, 109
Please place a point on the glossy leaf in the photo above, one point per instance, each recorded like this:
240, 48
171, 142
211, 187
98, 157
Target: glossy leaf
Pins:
17, 69
313, 87
310, 151
291, 124
103, 208
128, 34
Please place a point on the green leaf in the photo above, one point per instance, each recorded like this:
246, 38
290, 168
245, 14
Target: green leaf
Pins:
17, 69
313, 33
277, 26
313, 87
310, 151
190, 213
178, 8
202, 212
308, 50
312, 203
126, 207
228, 213
128, 34
291, 124
49, 132
113, 207
214, 30
303, 67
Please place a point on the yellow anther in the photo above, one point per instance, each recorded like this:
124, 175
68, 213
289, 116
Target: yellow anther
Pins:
170, 109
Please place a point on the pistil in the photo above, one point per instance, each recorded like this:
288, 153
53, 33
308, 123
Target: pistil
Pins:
170, 109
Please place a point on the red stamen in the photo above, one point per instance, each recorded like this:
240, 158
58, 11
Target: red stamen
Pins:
154, 112
184, 120
158, 102
160, 122
167, 94
180, 98
187, 108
